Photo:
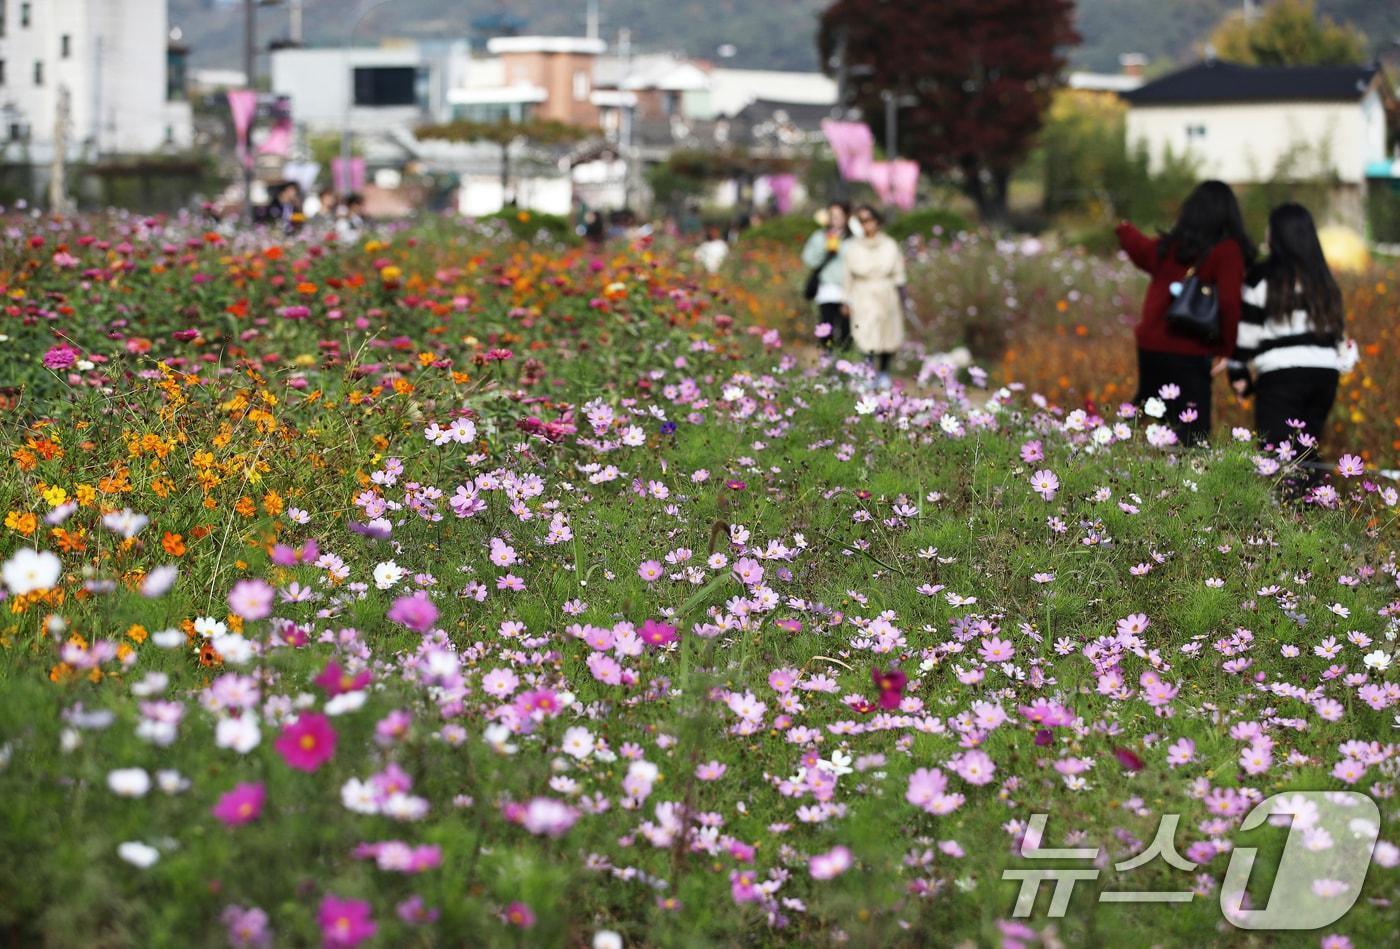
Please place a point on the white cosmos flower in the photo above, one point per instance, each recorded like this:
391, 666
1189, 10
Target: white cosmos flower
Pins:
387, 574
239, 734
138, 854
129, 782
359, 796
28, 570
168, 638
208, 627
1378, 660
236, 650
1154, 407
346, 702
171, 781
125, 522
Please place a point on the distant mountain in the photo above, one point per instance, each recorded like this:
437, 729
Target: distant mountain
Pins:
772, 34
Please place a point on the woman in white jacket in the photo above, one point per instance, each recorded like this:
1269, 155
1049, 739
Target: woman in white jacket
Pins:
875, 292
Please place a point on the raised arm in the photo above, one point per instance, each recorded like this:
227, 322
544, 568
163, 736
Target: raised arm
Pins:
1141, 249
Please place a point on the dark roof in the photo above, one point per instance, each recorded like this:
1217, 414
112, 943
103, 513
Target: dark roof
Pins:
1215, 81
802, 114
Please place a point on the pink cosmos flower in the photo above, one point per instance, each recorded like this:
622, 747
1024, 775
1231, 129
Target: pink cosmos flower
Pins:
974, 766
242, 805
711, 771
287, 556
833, 863
344, 923
247, 928
251, 599
519, 914
308, 742
650, 571
415, 612
1350, 466
1045, 483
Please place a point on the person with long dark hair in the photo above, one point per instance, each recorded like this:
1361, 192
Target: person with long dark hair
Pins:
1209, 241
1291, 332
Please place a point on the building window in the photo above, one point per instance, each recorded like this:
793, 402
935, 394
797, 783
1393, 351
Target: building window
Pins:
24, 14
65, 46
16, 131
38, 72
580, 86
1194, 133
2, 72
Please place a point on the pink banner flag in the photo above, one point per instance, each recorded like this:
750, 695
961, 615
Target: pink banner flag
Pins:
904, 182
351, 179
881, 178
853, 146
782, 186
278, 140
243, 104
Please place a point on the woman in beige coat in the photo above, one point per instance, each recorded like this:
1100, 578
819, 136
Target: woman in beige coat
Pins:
875, 292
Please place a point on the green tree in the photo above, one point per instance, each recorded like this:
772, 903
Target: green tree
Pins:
1289, 33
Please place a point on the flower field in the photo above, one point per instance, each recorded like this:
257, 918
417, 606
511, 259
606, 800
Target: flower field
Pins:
445, 590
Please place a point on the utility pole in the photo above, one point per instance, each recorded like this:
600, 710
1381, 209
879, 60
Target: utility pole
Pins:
891, 121
591, 30
624, 49
58, 185
294, 28
250, 41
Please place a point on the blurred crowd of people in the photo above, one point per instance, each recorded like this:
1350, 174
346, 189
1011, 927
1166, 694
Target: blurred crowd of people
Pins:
289, 210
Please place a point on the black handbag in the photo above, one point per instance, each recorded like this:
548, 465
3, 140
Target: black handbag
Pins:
814, 279
1195, 312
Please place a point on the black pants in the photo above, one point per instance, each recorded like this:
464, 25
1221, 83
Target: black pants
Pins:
1304, 395
1191, 374
840, 337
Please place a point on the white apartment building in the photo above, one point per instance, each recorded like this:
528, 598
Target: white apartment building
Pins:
112, 61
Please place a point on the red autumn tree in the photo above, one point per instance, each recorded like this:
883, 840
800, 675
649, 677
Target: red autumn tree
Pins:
973, 79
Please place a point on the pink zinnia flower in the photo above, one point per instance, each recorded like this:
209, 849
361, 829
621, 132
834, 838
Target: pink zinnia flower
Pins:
251, 599
242, 805
60, 357
416, 612
344, 923
308, 742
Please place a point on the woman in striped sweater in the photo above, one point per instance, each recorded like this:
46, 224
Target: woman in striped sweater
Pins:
1290, 334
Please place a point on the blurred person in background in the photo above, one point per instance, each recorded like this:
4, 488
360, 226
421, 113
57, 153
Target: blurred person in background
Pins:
875, 292
713, 250
826, 281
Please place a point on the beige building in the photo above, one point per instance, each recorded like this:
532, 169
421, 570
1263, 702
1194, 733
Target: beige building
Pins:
1252, 124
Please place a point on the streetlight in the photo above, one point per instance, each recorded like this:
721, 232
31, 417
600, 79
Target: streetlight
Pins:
345, 133
893, 101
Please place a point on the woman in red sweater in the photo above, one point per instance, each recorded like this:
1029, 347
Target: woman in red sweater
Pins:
1209, 235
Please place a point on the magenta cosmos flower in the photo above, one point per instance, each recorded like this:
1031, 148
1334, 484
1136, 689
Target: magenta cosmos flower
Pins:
657, 634
416, 612
344, 923
308, 742
519, 914
242, 805
891, 684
